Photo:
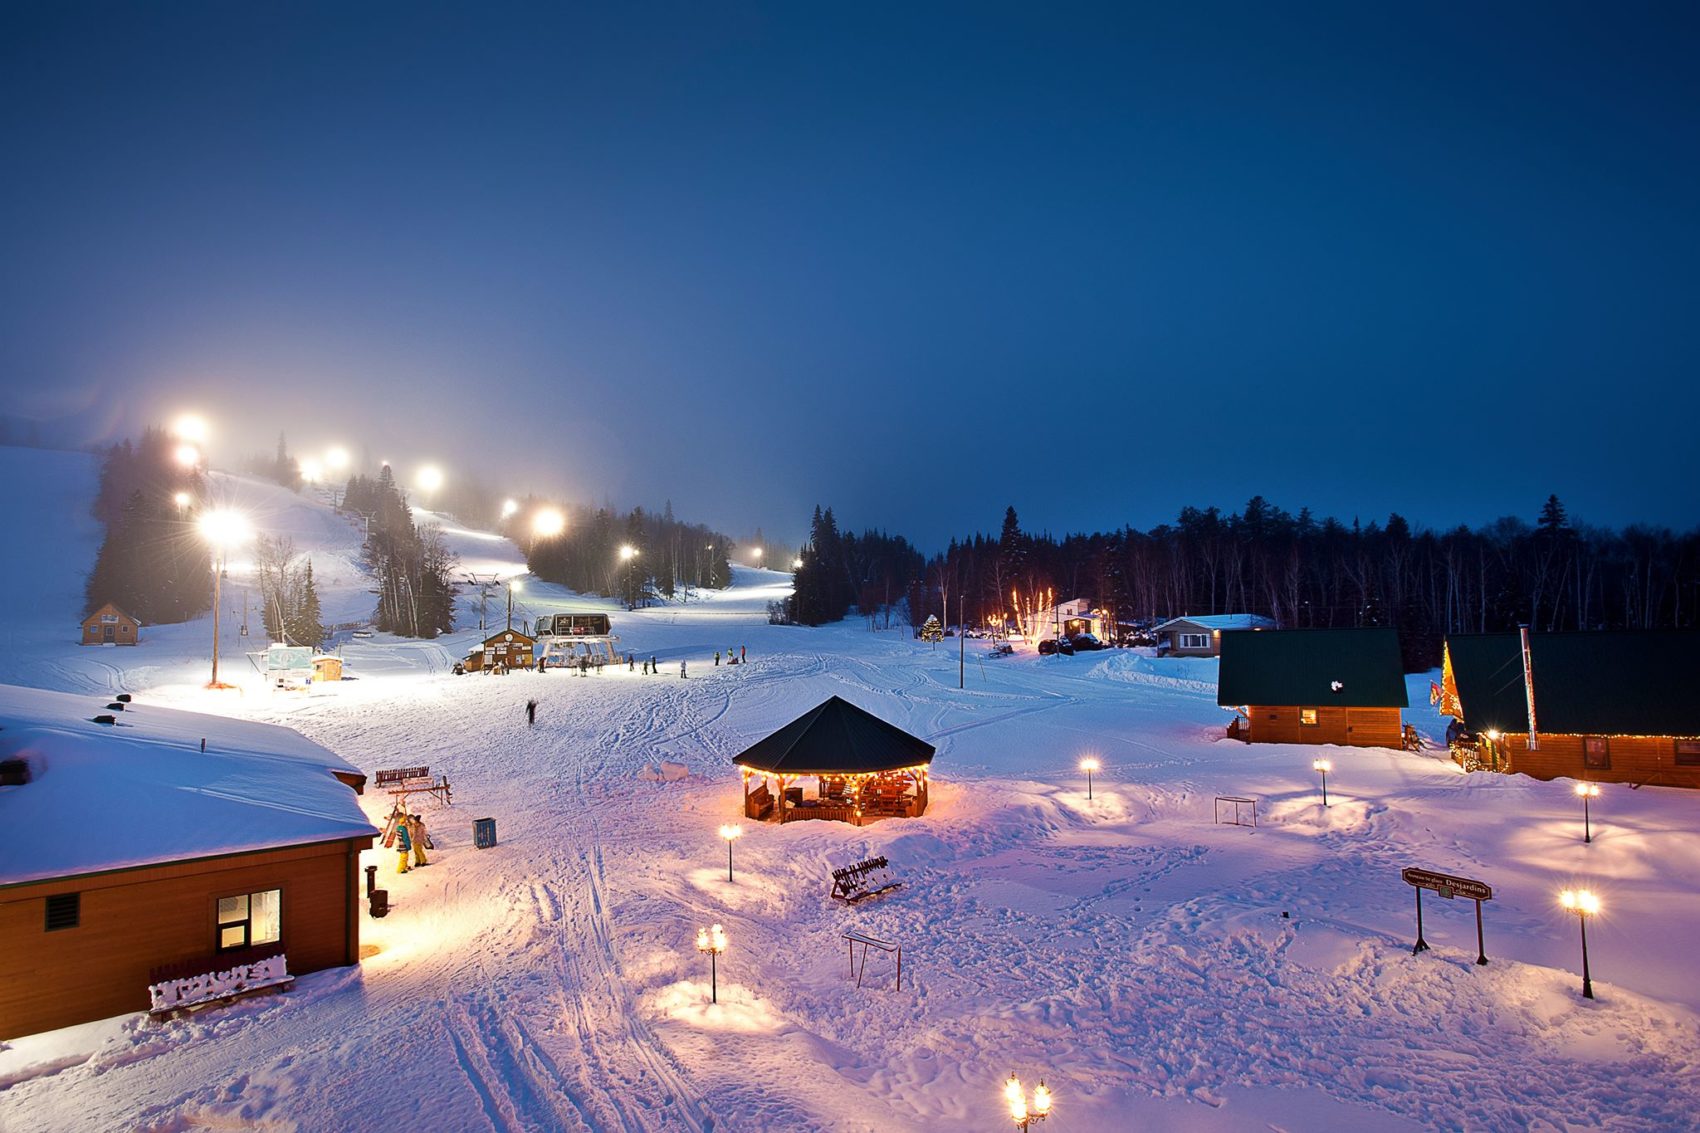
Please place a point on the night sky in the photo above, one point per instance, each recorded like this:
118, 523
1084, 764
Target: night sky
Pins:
1096, 263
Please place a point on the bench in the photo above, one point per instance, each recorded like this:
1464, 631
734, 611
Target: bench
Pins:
864, 879
868, 942
201, 983
759, 804
404, 781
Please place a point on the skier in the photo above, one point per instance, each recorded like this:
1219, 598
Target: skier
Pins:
717, 658
646, 668
403, 844
654, 665
631, 663
743, 656
681, 670
531, 713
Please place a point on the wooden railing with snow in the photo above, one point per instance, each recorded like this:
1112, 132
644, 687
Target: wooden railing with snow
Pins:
270, 973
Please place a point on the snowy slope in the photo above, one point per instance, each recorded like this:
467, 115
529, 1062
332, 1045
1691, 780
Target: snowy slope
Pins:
1159, 971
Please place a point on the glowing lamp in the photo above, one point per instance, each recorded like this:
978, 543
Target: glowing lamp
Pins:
627, 552
190, 427
509, 507
181, 499
429, 478
336, 459
224, 528
312, 471
548, 523
187, 455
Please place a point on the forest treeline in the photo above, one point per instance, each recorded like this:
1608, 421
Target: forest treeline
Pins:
667, 558
149, 564
1551, 574
414, 569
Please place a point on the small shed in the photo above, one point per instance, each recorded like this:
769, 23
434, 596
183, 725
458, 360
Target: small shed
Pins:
862, 767
1315, 686
111, 626
1610, 706
327, 667
1201, 636
507, 649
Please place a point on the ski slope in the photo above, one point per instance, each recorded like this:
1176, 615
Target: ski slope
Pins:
1157, 970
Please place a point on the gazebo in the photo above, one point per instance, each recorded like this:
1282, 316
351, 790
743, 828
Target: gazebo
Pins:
863, 768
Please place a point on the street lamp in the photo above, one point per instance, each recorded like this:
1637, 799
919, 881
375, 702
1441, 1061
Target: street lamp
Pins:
796, 564
1586, 791
312, 471
222, 529
186, 454
755, 553
509, 507
191, 428
1584, 904
429, 479
731, 833
712, 941
513, 585
181, 499
1323, 767
1089, 765
1023, 1115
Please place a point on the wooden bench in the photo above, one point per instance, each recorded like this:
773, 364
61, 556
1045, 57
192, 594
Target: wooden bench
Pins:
192, 984
864, 879
759, 803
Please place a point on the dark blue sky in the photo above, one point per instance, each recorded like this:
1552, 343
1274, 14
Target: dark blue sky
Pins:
1097, 263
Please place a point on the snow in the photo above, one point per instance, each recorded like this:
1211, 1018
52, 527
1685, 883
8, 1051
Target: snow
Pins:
1222, 621
255, 785
1157, 970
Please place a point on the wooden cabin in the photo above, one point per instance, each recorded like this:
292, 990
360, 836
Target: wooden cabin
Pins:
128, 850
1315, 686
111, 626
1202, 636
506, 649
859, 766
1612, 707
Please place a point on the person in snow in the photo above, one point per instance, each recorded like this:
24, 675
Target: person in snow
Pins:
631, 663
416, 834
681, 670
403, 844
743, 656
541, 661
717, 658
646, 668
531, 713
654, 665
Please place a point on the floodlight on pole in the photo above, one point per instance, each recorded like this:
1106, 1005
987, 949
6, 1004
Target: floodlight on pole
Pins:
222, 529
1323, 767
1585, 792
311, 470
429, 478
182, 500
731, 832
187, 455
336, 458
190, 427
546, 523
509, 507
1089, 765
1584, 904
712, 941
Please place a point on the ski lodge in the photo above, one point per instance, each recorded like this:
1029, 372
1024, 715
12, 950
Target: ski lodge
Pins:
1607, 706
862, 768
1314, 686
111, 626
507, 649
129, 854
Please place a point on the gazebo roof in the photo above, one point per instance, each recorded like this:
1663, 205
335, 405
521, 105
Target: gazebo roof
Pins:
836, 738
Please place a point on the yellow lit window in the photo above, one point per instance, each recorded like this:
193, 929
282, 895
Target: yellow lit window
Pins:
1307, 717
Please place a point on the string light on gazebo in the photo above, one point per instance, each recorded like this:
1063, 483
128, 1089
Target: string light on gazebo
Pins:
731, 832
712, 940
1025, 1116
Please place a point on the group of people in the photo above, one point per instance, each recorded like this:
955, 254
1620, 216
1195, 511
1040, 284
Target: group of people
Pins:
737, 656
406, 834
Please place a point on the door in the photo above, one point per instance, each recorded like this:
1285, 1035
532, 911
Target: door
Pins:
106, 635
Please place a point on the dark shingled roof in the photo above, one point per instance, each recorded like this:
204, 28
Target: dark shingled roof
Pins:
1301, 666
1624, 683
836, 738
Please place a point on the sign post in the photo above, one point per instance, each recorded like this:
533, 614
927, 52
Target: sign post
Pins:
1448, 887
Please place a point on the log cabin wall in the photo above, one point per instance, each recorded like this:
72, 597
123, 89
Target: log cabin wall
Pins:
1633, 759
132, 921
1355, 727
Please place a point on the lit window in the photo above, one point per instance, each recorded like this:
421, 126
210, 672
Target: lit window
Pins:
1596, 753
1688, 753
252, 918
1307, 717
1195, 641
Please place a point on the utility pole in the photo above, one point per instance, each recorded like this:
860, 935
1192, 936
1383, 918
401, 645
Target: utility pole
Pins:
484, 583
961, 642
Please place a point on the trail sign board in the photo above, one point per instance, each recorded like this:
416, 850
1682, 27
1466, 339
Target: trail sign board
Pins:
1446, 885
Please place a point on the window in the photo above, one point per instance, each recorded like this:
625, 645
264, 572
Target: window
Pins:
64, 910
1596, 753
1688, 753
1307, 717
1195, 641
253, 918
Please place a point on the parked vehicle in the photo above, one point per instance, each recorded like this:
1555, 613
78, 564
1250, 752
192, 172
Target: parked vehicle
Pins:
1085, 642
1002, 649
1047, 647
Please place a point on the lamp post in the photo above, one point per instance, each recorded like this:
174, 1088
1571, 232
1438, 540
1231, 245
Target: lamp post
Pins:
1584, 904
1089, 765
731, 833
545, 524
222, 529
1586, 791
712, 941
513, 584
627, 554
509, 507
1323, 767
336, 460
1025, 1116
181, 499
187, 455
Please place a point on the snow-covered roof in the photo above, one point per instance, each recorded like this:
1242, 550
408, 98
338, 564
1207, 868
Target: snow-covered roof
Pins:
140, 792
1221, 621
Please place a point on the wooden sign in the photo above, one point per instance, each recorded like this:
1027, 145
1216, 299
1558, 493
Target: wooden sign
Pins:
1446, 885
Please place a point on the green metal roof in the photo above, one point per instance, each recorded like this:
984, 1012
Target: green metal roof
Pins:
1613, 683
1303, 667
836, 738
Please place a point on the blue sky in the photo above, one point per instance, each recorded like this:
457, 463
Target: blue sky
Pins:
1098, 263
